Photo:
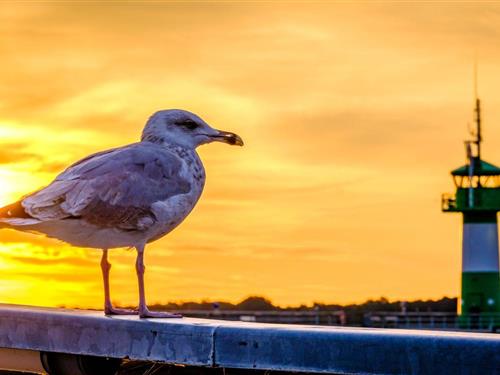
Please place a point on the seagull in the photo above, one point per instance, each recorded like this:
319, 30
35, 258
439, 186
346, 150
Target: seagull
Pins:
124, 197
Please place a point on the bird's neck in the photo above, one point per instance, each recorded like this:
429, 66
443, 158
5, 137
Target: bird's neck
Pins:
191, 158
168, 144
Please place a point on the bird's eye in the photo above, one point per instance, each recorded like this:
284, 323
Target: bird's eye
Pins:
188, 124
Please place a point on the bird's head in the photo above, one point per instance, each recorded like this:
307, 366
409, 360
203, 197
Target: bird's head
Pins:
183, 128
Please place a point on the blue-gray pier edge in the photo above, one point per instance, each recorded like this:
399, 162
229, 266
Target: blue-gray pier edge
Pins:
212, 343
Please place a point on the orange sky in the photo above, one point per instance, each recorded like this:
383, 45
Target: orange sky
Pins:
352, 115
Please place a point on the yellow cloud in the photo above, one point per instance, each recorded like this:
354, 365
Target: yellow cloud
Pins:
352, 115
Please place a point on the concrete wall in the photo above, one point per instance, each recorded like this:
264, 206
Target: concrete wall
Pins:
198, 342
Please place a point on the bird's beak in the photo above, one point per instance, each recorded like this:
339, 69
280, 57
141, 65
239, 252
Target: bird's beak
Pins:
228, 137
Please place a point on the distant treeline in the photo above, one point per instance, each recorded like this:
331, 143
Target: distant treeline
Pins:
354, 312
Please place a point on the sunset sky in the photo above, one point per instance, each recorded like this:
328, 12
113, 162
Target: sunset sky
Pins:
353, 114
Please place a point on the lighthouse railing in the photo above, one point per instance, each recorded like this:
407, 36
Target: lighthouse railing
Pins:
448, 202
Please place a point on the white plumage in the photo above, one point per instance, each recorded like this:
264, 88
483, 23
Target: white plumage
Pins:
124, 197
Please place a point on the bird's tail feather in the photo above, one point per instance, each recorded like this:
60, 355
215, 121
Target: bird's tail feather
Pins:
17, 222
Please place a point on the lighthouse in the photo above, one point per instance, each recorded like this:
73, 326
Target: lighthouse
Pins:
477, 197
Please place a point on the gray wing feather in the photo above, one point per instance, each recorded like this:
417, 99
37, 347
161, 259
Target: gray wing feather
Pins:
115, 188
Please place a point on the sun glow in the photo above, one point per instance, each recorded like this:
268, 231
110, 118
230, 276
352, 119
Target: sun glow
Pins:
8, 191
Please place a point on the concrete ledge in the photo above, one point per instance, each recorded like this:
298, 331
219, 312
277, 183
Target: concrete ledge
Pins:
211, 343
183, 341
357, 351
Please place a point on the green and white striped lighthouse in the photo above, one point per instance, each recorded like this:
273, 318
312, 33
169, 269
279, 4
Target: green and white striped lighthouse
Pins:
478, 199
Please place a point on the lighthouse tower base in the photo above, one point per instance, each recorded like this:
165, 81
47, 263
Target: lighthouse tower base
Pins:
480, 266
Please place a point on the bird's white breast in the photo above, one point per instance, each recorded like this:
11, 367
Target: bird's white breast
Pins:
171, 212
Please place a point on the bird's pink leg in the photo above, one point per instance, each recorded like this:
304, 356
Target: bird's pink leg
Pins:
108, 307
143, 308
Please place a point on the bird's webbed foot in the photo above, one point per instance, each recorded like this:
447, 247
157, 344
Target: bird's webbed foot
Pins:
110, 310
146, 313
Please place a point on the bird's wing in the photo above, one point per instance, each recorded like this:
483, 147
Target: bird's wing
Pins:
114, 188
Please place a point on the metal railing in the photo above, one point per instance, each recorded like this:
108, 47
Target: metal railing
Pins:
327, 318
433, 320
